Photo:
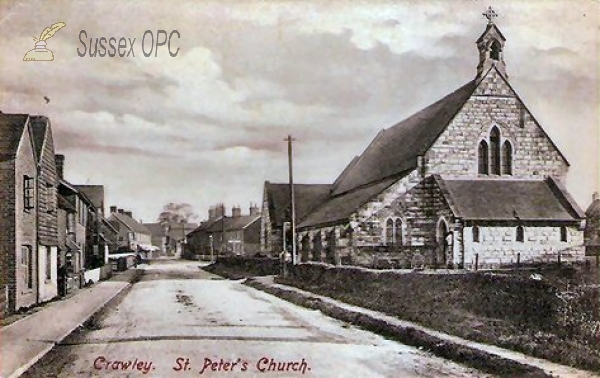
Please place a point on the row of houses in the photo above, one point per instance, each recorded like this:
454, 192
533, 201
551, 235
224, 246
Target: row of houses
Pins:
54, 235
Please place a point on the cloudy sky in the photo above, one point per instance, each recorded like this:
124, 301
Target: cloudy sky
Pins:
208, 125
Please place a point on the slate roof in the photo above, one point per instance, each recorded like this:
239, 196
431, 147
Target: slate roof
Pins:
11, 131
339, 208
307, 198
395, 150
232, 223
95, 193
205, 225
130, 223
526, 200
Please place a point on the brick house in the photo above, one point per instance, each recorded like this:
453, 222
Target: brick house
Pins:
237, 234
18, 213
470, 181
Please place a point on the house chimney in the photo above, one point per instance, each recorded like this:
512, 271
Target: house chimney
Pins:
594, 196
236, 211
211, 212
253, 209
113, 209
60, 165
120, 211
219, 210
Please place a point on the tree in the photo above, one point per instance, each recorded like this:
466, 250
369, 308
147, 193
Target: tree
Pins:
176, 213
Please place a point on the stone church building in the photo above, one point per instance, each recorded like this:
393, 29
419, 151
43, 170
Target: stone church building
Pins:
470, 181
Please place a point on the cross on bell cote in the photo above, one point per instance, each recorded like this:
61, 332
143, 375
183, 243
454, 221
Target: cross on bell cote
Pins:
491, 47
490, 13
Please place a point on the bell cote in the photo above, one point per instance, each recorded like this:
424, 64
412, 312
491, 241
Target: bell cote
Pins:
491, 47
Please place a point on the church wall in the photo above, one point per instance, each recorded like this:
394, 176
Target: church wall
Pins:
498, 246
454, 154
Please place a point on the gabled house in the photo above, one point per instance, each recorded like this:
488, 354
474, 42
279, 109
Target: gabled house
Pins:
47, 222
132, 235
18, 213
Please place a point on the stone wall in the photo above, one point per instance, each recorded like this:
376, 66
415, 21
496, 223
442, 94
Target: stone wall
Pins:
541, 243
494, 103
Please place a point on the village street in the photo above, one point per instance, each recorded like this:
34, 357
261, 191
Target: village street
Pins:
179, 321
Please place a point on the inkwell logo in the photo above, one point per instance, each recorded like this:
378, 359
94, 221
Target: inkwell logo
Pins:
40, 52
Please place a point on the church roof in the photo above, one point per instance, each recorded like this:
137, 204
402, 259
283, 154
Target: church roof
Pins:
395, 150
307, 198
339, 208
499, 199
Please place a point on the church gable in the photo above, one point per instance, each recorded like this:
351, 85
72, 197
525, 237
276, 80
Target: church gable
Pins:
494, 134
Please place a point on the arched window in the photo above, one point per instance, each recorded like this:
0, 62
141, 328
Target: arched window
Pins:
507, 158
389, 232
483, 158
398, 237
475, 234
520, 234
563, 234
495, 50
495, 151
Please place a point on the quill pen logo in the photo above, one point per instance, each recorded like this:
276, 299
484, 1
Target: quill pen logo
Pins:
40, 52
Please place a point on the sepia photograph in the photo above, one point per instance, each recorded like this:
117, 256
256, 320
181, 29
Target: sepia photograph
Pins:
318, 188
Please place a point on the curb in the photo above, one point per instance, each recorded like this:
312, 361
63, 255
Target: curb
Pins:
21, 370
475, 358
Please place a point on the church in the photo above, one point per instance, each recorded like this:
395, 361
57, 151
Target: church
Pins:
471, 181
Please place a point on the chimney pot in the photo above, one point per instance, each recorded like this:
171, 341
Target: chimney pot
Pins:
113, 209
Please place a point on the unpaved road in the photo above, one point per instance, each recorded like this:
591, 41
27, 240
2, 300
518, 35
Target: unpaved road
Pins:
180, 321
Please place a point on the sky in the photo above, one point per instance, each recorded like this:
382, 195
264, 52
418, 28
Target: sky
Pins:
208, 125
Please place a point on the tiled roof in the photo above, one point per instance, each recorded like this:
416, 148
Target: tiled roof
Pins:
499, 199
339, 208
11, 131
130, 223
307, 198
95, 193
395, 150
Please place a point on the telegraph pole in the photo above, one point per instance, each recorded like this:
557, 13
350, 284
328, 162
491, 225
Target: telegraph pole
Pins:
289, 139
